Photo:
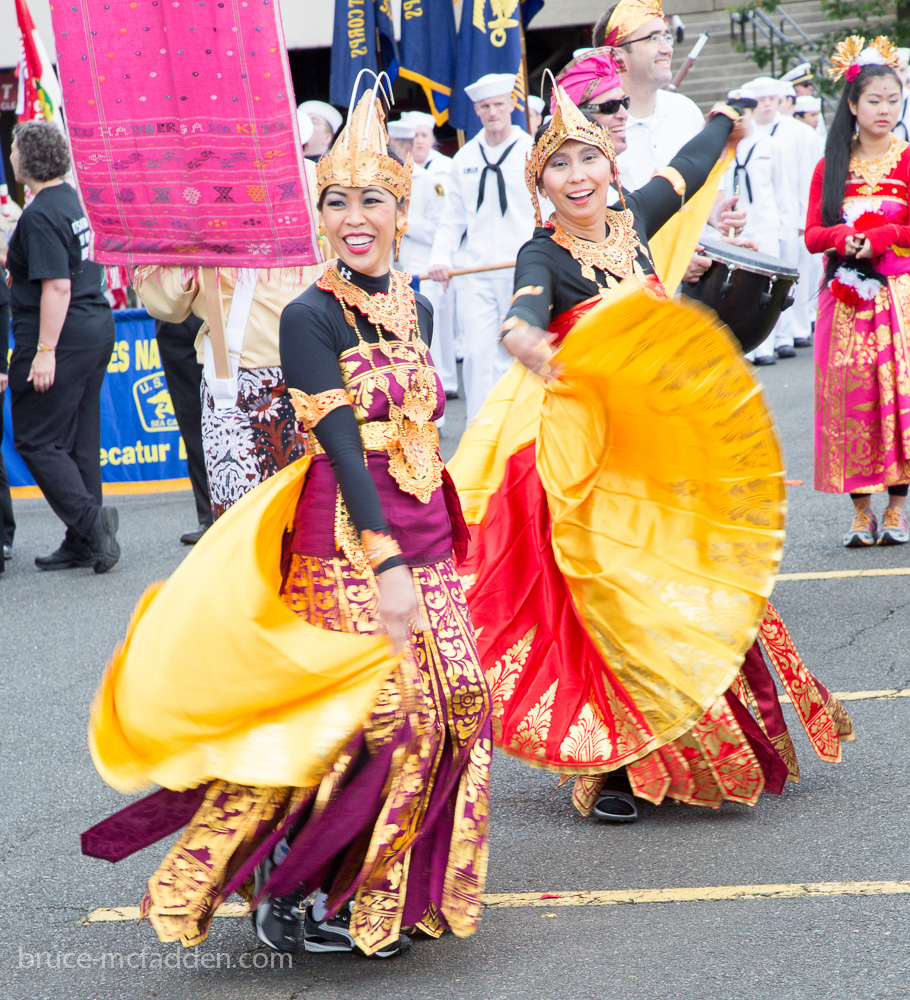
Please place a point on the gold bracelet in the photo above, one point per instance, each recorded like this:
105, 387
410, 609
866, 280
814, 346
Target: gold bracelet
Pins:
44, 347
378, 547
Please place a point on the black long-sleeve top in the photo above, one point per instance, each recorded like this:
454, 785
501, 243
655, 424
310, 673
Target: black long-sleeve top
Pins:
545, 265
312, 335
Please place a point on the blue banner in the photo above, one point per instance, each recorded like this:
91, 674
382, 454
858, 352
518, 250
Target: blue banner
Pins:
489, 41
428, 50
387, 44
140, 441
353, 46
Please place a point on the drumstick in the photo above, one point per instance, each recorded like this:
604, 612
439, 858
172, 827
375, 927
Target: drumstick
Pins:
470, 270
731, 232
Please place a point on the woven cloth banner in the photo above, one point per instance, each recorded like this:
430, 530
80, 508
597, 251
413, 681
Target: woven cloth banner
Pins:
182, 122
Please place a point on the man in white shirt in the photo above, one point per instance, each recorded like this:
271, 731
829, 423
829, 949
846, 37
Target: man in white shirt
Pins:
659, 122
488, 212
799, 152
428, 190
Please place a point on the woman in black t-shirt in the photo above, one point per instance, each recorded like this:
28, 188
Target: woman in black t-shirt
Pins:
64, 334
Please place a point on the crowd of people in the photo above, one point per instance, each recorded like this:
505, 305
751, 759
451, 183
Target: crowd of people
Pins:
586, 583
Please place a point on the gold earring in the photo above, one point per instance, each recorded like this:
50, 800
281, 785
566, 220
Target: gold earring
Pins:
401, 227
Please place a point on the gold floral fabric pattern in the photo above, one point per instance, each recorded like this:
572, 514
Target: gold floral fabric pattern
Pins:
439, 694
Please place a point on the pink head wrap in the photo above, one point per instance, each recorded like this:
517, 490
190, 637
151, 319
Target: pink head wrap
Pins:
592, 74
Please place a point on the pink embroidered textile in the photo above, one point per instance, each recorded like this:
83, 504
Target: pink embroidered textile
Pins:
182, 121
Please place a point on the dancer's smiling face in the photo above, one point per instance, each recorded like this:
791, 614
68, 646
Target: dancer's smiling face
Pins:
576, 179
360, 225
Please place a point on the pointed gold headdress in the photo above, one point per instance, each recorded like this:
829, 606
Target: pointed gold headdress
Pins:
567, 123
359, 156
852, 54
628, 16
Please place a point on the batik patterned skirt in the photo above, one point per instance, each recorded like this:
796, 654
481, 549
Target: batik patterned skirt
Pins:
862, 391
401, 813
248, 442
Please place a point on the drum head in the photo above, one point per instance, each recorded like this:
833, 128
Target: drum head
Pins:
748, 260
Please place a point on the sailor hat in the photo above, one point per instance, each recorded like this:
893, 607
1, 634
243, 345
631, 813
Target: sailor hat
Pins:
491, 85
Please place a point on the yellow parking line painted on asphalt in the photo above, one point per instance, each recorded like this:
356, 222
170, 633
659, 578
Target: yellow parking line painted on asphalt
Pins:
615, 897
886, 695
843, 574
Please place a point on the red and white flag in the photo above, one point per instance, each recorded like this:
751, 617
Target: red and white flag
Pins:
39, 88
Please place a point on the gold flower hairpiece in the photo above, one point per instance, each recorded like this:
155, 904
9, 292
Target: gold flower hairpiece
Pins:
852, 54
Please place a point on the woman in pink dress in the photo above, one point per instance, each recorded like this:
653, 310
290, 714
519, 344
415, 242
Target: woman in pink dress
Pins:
858, 217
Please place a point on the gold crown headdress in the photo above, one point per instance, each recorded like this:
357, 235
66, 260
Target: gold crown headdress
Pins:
852, 54
628, 16
359, 156
567, 123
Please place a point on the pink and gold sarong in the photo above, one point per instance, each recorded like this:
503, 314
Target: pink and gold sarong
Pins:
862, 380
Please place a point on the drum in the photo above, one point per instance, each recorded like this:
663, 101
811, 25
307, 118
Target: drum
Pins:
747, 290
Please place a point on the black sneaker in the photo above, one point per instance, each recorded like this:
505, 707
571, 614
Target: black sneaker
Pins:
103, 540
276, 919
786, 351
334, 934
65, 558
802, 342
328, 935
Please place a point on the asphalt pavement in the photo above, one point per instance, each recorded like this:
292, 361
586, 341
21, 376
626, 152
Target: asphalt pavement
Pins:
843, 831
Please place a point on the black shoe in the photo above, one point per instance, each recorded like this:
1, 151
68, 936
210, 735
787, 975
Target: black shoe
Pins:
786, 351
765, 359
616, 807
276, 920
7, 552
802, 342
103, 540
451, 394
66, 558
191, 537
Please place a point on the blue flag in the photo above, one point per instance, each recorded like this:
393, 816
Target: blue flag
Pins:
489, 42
428, 50
388, 45
353, 46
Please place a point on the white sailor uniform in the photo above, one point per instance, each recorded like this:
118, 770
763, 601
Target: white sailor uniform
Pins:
429, 182
754, 177
797, 148
488, 214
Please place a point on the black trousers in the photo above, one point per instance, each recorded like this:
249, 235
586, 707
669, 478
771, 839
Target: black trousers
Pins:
58, 433
7, 521
183, 374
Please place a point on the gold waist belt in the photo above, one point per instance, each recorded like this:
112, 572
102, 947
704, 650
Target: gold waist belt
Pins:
380, 435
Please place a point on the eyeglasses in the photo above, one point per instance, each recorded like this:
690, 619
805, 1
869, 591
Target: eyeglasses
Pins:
655, 38
608, 107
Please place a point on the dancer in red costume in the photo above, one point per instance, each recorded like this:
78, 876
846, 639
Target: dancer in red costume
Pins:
628, 514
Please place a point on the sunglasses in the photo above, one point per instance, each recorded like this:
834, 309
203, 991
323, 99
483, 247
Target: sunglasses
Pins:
608, 107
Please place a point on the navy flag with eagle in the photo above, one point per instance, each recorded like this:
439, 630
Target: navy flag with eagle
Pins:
489, 41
